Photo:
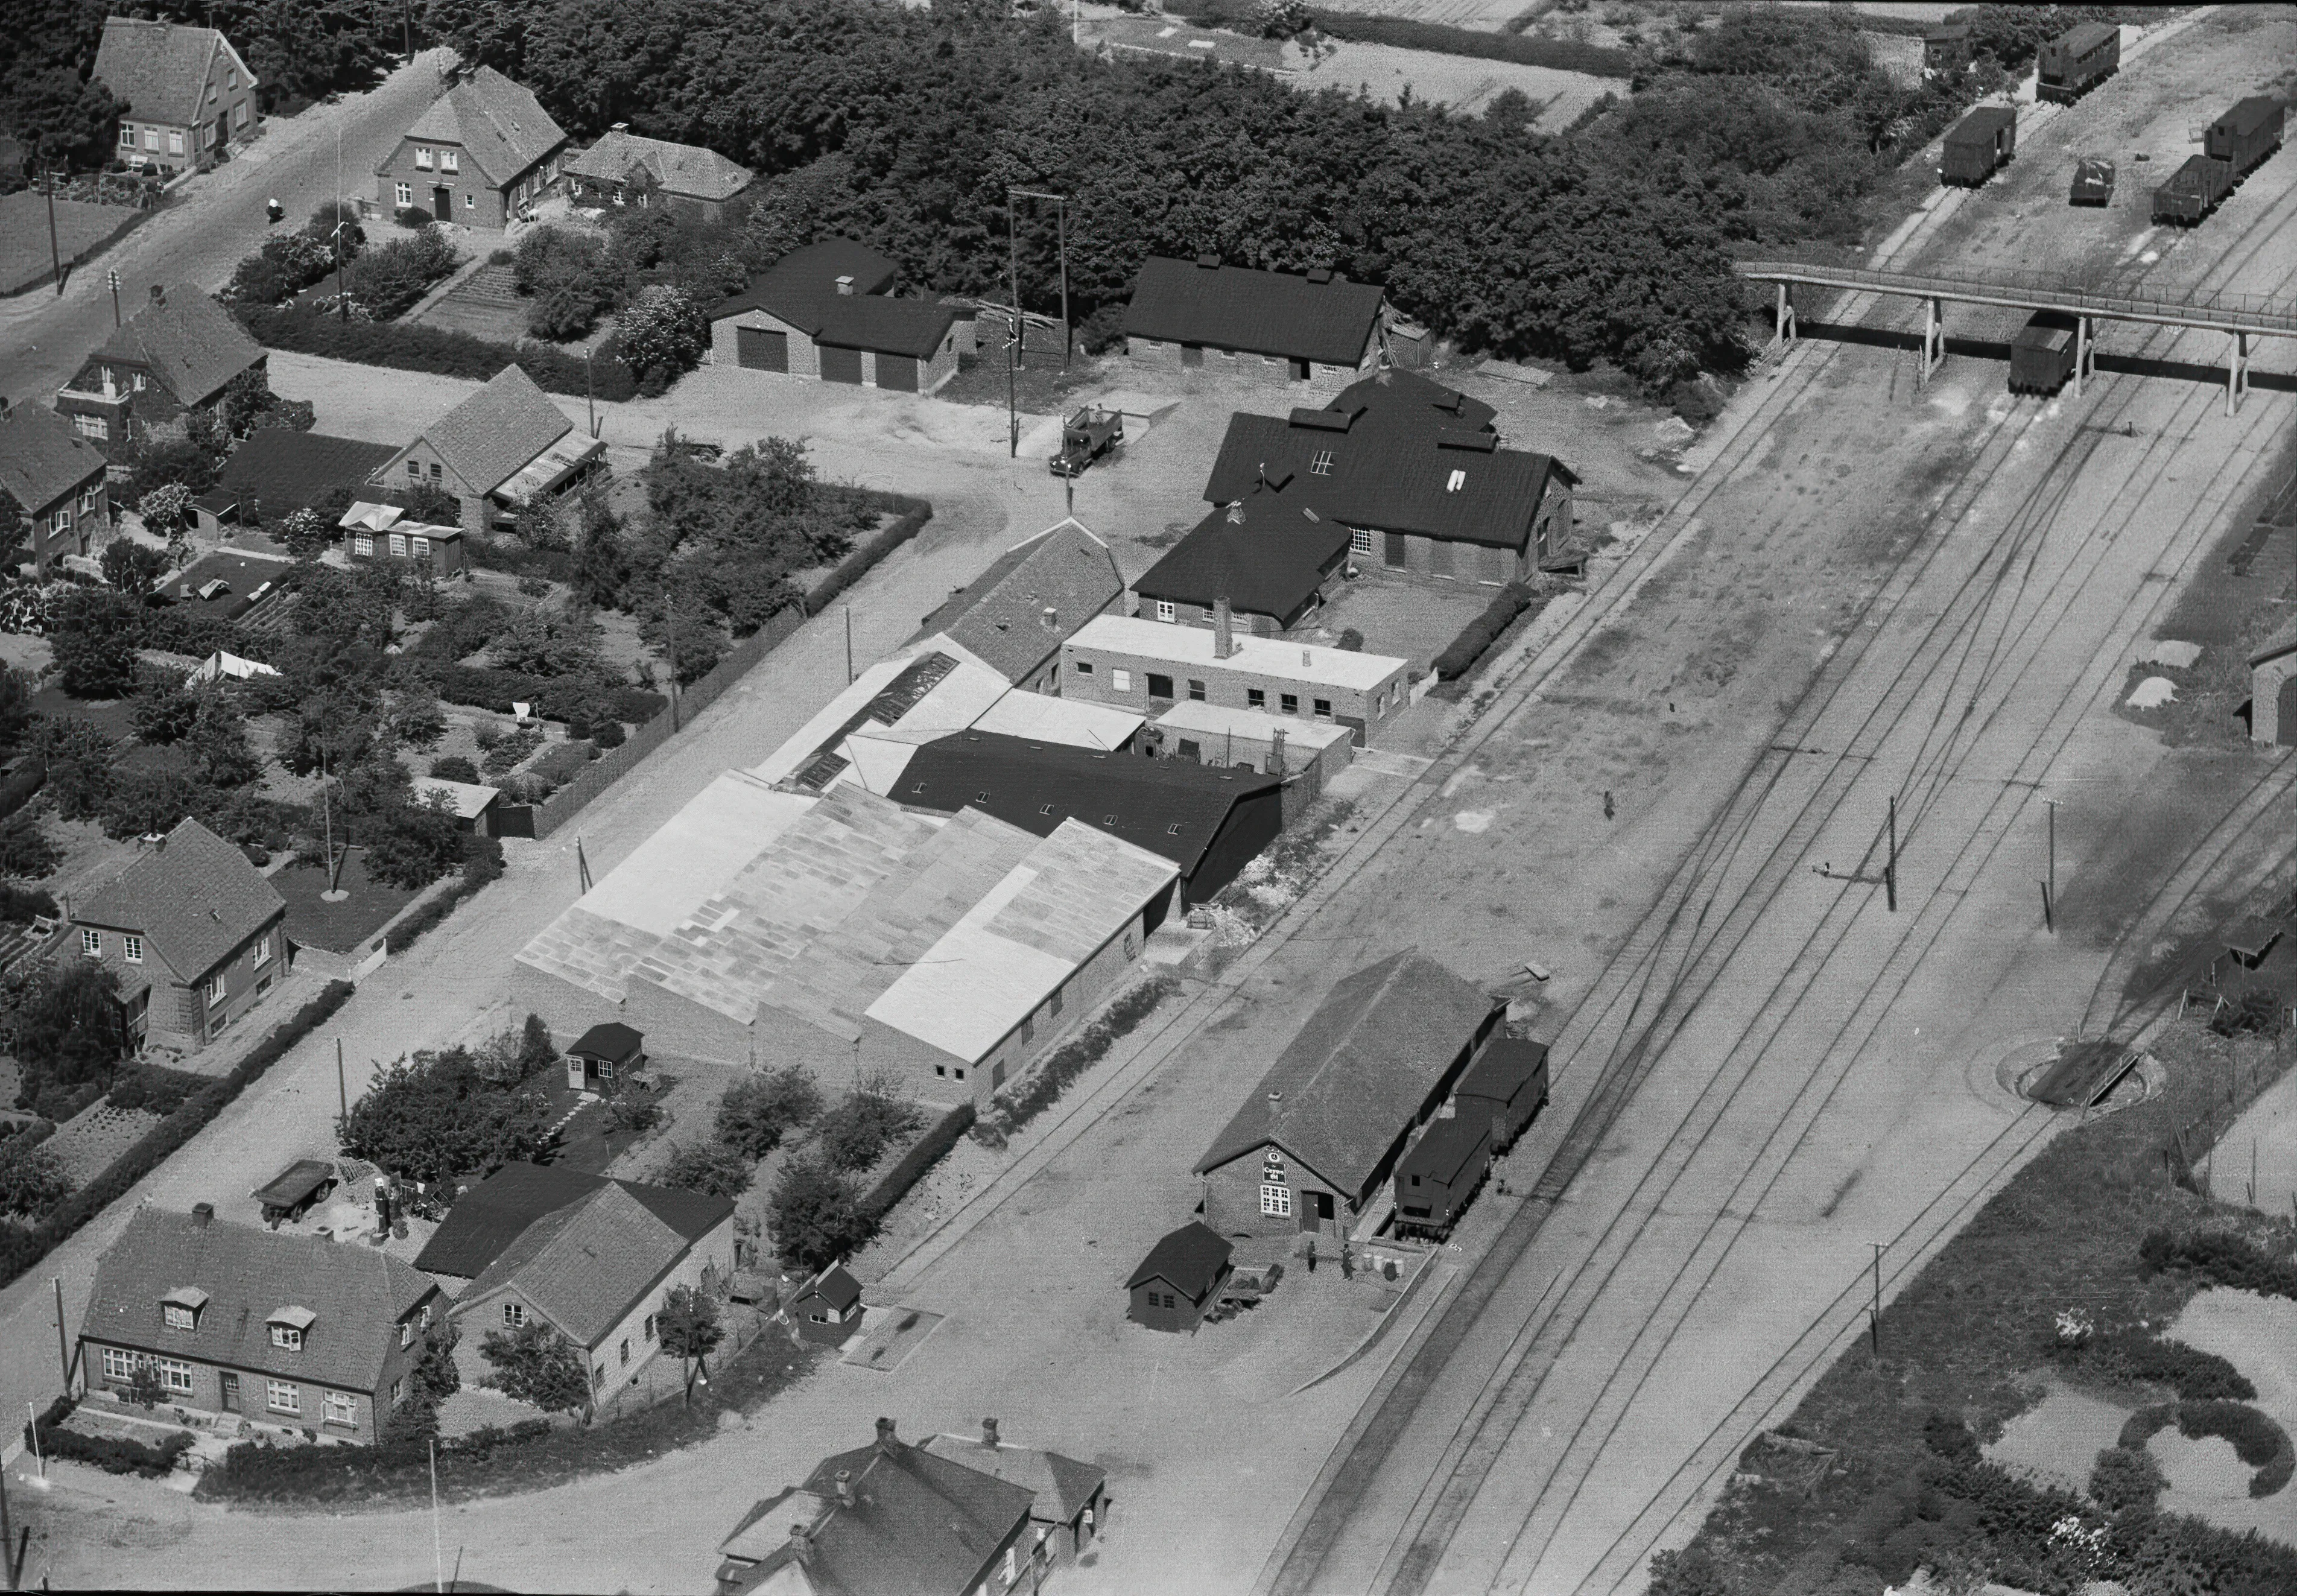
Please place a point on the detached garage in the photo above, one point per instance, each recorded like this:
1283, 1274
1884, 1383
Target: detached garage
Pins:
827, 311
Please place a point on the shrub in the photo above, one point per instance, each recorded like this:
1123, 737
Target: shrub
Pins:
662, 337
2126, 1480
453, 767
112, 1455
1949, 1437
26, 850
2221, 1258
1479, 634
1060, 1069
434, 1115
2136, 1357
854, 1133
815, 1216
756, 1111
32, 1179
387, 282
433, 350
153, 1089
1351, 640
19, 905
709, 1167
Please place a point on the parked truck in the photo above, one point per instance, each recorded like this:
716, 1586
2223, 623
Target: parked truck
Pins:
1086, 436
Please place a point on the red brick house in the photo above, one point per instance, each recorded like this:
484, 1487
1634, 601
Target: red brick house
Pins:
506, 446
480, 150
56, 477
188, 91
193, 930
1272, 325
626, 168
828, 1309
174, 355
1180, 1279
296, 1331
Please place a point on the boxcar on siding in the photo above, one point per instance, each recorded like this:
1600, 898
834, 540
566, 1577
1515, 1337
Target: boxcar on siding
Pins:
2076, 60
2245, 135
2192, 191
2042, 355
1978, 146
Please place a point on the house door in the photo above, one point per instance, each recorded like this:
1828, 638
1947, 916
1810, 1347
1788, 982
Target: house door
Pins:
1314, 1209
1192, 354
1299, 371
442, 204
761, 349
2285, 727
223, 130
230, 1392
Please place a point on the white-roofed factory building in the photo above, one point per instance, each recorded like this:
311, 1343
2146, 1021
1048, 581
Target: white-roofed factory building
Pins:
1151, 666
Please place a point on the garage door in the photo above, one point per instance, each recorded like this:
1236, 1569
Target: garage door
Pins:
760, 350
841, 366
898, 371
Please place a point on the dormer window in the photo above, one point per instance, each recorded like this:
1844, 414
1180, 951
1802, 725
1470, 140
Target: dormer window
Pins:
421, 158
1322, 465
288, 1327
450, 160
179, 1310
1457, 480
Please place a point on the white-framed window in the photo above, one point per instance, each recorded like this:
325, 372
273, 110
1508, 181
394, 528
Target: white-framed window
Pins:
470, 202
1322, 465
1275, 1201
420, 547
126, 136
1455, 481
1360, 541
152, 138
405, 196
92, 426
117, 1365
363, 543
421, 158
450, 160
398, 1391
397, 546
175, 1375
239, 114
406, 1333
176, 1316
215, 93
87, 501
287, 1338
175, 142
131, 948
415, 469
214, 989
263, 949
91, 942
61, 520
135, 381
513, 1314
342, 1409
1165, 610
1120, 681
282, 1397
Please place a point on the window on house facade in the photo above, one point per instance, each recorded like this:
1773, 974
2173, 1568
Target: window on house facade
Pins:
405, 196
92, 426
1120, 681
131, 949
1256, 698
175, 143
342, 1411
1322, 465
61, 520
1359, 542
239, 114
420, 547
470, 202
282, 1397
513, 1314
1164, 609
135, 381
437, 472
117, 1365
287, 1338
626, 1352
1455, 481
175, 1375
1159, 686
215, 93
397, 546
649, 1329
1084, 667
126, 136
597, 1376
1028, 1029
152, 139
398, 1391
263, 949
1323, 709
406, 1333
1196, 689
214, 989
1053, 1004
363, 543
450, 160
1290, 702
1276, 1201
91, 942
421, 158
87, 501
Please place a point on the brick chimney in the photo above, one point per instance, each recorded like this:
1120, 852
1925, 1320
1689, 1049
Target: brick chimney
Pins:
801, 1543
845, 286
1052, 619
887, 1441
620, 128
202, 1214
845, 1487
1276, 752
989, 1433
159, 296
1224, 631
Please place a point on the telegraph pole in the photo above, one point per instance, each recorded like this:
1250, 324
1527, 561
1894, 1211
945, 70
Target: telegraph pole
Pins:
55, 255
342, 1092
2050, 885
1874, 1316
1013, 245
1012, 394
669, 630
1890, 891
114, 277
849, 645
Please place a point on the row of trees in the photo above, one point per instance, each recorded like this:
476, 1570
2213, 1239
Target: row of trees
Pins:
379, 283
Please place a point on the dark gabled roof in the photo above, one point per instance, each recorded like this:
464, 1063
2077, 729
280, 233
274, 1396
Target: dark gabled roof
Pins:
585, 1267
188, 343
919, 1525
685, 169
498, 1211
1396, 454
1261, 313
801, 289
1190, 1258
42, 458
2284, 640
193, 898
1062, 1487
611, 1041
1360, 1071
1446, 1147
999, 616
491, 436
1503, 1068
837, 1287
499, 124
356, 1297
284, 470
1037, 786
160, 68
1266, 555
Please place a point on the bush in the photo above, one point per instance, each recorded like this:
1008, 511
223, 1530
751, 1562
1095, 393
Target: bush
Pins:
387, 282
111, 1454
433, 350
2136, 1357
2126, 1480
32, 1179
21, 905
662, 337
26, 850
815, 1216
1529, 50
709, 1167
153, 1089
453, 767
2221, 1258
756, 1111
854, 1134
1479, 634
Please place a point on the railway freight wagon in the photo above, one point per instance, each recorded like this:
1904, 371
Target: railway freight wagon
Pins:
1978, 146
2192, 191
2245, 135
2077, 61
2093, 182
2042, 355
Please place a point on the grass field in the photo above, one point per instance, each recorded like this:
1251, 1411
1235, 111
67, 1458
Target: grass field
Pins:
1488, 16
1460, 81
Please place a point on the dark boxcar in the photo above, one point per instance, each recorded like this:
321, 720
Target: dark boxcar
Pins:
2246, 134
1440, 1172
2042, 355
2078, 60
2093, 182
1978, 146
2192, 191
1506, 1084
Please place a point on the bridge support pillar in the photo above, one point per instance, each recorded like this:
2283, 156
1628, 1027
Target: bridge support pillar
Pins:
2085, 352
1786, 314
1933, 338
2237, 372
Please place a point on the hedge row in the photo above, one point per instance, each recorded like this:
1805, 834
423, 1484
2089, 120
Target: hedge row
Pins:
112, 1455
16, 788
553, 697
514, 558
154, 1089
417, 348
266, 1471
1046, 1083
2259, 1442
1479, 634
1525, 49
2133, 1357
910, 516
2222, 1259
21, 1246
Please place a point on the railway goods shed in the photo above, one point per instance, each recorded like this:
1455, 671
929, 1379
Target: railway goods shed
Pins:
1980, 145
2076, 61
